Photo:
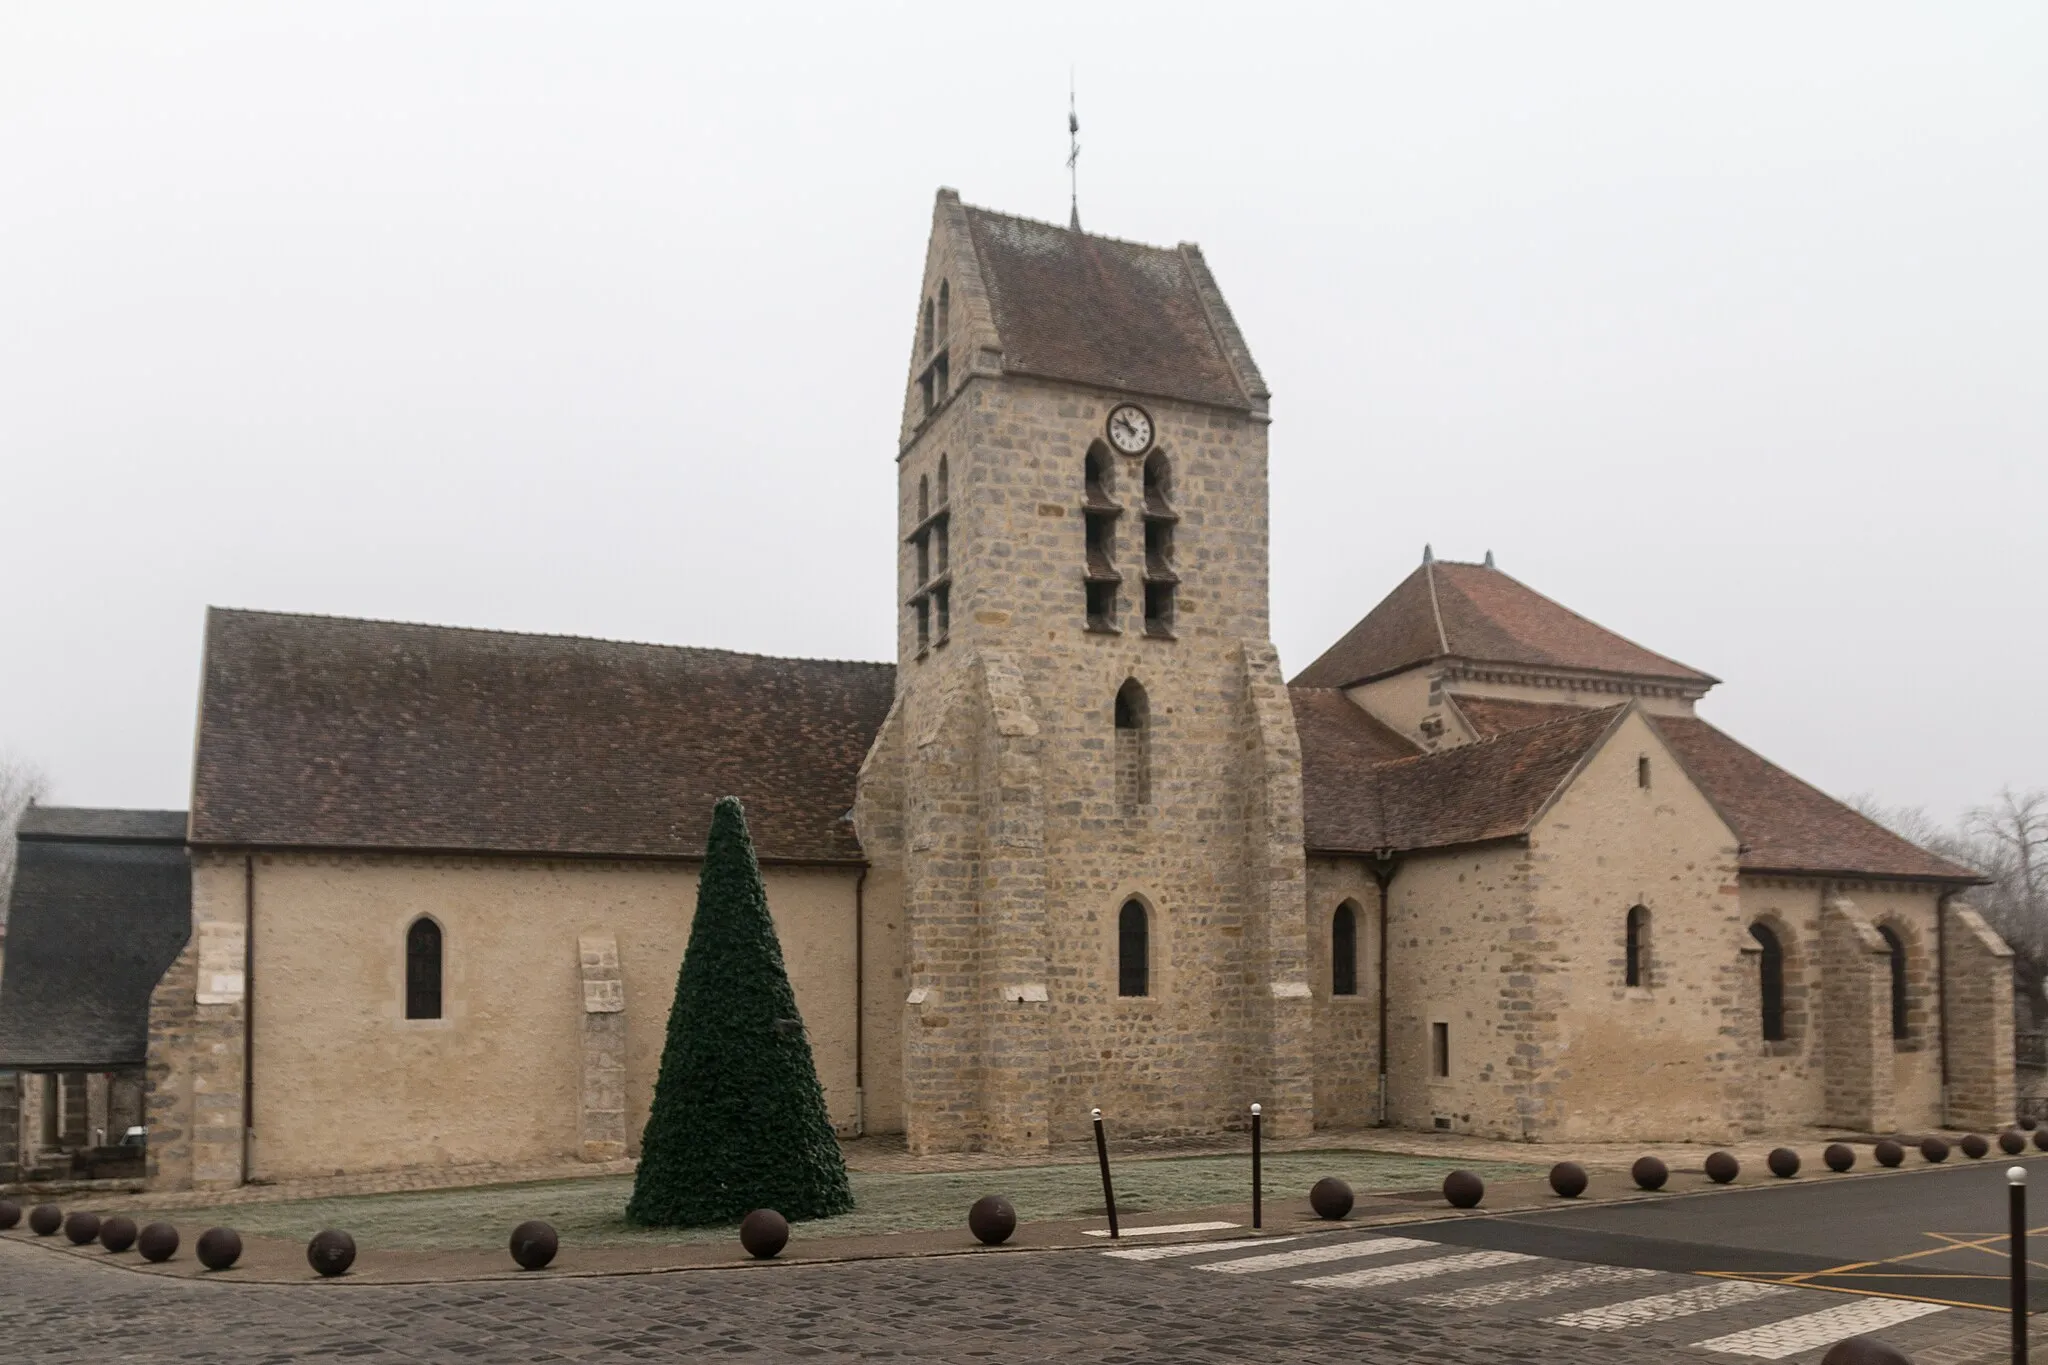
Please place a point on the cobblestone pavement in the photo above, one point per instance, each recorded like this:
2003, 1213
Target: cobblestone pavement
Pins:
1087, 1305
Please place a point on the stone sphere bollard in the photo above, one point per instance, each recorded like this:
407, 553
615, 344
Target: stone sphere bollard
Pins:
1784, 1162
1934, 1149
1331, 1198
1888, 1152
1569, 1179
157, 1242
2012, 1142
10, 1214
1839, 1157
2041, 1139
82, 1228
992, 1220
117, 1233
331, 1253
534, 1244
1864, 1351
2030, 1124
1464, 1190
219, 1248
764, 1233
1722, 1167
1973, 1146
1649, 1172
45, 1219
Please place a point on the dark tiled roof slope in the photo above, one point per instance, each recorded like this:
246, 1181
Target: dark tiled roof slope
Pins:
123, 826
329, 733
1786, 825
1494, 789
1095, 310
1492, 716
93, 924
1468, 611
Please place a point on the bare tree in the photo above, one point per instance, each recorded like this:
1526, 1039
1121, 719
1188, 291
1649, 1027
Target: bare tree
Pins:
2011, 835
21, 782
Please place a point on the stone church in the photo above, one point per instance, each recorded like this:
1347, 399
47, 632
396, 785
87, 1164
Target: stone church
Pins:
1479, 867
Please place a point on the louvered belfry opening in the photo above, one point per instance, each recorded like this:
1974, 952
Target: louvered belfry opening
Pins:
1162, 584
1099, 511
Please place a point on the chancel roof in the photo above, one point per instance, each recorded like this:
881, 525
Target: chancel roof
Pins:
1073, 306
1478, 613
101, 907
320, 732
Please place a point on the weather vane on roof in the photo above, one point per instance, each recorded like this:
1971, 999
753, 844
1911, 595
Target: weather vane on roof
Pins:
1073, 156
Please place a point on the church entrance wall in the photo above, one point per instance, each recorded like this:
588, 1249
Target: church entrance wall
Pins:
502, 1069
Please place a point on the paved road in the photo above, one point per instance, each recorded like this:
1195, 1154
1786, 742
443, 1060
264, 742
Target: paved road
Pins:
1619, 1285
1933, 1232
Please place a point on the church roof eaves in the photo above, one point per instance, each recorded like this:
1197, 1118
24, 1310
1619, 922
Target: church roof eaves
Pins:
336, 734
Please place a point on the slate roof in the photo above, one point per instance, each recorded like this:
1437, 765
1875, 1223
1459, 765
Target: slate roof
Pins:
322, 732
1470, 611
1492, 716
95, 919
1353, 802
1095, 310
1788, 826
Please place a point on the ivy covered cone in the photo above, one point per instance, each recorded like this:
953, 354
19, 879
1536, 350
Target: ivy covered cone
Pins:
738, 1121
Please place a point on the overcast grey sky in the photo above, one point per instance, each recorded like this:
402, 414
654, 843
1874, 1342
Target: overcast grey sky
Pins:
1722, 324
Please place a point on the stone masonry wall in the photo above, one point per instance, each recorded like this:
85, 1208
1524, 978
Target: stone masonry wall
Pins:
1979, 988
1855, 1033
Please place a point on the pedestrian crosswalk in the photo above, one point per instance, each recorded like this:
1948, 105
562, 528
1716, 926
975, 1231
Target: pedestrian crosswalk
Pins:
1733, 1318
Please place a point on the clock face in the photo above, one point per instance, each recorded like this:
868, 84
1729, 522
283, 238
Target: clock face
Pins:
1130, 430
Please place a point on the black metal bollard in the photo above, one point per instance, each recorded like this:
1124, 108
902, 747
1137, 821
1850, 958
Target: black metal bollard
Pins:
2016, 1179
1256, 1222
1102, 1156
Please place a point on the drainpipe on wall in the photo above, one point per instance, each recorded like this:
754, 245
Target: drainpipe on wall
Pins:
248, 1014
1383, 873
860, 1049
1941, 991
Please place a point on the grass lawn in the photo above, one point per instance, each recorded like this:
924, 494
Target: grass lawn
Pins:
591, 1212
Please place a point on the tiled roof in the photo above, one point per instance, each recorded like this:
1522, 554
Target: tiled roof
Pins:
1094, 310
329, 733
1470, 611
1492, 716
94, 921
1357, 797
1786, 825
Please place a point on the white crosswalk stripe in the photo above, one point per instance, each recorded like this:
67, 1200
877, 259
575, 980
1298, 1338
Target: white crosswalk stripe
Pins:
1315, 1255
1534, 1287
1417, 1270
1661, 1307
1790, 1336
1193, 1248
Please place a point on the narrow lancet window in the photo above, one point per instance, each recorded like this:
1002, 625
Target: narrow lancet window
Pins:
1771, 981
1900, 1018
1344, 950
423, 970
1133, 748
1636, 948
1133, 950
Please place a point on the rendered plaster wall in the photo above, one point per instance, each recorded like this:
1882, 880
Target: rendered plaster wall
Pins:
1663, 1060
1461, 952
345, 1083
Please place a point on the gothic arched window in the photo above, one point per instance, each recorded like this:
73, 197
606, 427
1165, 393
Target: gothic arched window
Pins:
1636, 932
930, 327
1771, 979
1133, 748
1344, 950
930, 541
1099, 511
945, 310
423, 970
1133, 950
1898, 956
1160, 519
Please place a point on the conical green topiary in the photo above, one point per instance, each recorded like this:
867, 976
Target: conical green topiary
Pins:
738, 1121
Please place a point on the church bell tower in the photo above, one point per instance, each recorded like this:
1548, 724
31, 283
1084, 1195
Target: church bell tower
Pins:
1090, 784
